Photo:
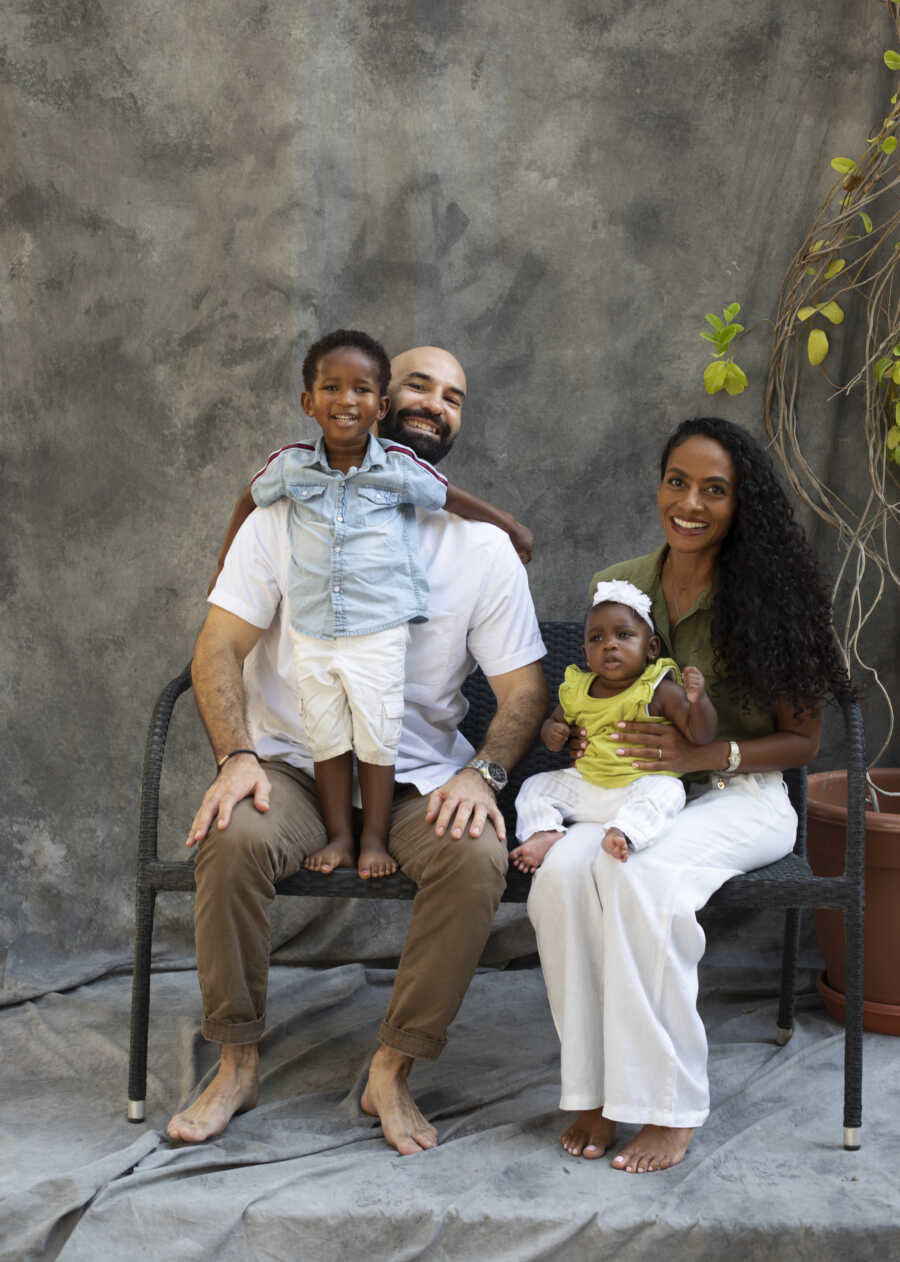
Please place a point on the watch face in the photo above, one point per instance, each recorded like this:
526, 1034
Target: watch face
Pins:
498, 773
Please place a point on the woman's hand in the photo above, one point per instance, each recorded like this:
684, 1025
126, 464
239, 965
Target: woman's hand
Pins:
661, 747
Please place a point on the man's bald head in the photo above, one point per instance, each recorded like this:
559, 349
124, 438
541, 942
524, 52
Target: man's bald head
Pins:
427, 391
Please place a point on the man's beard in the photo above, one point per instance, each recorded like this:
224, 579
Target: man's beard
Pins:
431, 447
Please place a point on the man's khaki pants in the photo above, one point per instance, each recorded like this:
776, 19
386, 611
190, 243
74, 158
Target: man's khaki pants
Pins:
460, 883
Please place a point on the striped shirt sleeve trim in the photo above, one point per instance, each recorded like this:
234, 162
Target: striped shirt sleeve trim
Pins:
423, 464
289, 447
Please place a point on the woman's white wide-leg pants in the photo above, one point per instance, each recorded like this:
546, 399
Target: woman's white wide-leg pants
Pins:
620, 944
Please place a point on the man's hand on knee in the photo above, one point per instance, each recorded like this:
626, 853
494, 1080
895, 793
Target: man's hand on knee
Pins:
241, 777
465, 802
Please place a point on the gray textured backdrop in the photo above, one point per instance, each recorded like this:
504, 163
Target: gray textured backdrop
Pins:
191, 192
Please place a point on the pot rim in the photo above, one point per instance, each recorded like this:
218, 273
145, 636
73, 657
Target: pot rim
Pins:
831, 812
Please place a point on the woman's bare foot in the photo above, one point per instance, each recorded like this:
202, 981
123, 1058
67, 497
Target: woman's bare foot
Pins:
654, 1148
589, 1135
374, 860
531, 854
387, 1097
615, 843
337, 854
234, 1089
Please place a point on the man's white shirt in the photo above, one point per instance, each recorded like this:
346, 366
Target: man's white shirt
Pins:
480, 612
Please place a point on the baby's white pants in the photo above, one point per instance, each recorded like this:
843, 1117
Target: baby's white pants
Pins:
351, 693
620, 944
643, 810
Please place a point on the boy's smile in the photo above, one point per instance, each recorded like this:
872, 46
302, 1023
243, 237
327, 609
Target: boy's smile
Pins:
618, 645
346, 403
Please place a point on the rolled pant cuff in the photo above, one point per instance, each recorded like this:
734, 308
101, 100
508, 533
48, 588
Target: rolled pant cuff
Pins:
411, 1043
229, 1032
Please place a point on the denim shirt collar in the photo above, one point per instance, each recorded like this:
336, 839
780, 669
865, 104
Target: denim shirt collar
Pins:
374, 457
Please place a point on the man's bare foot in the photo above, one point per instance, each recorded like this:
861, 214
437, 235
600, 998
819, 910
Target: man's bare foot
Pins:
654, 1148
531, 854
234, 1089
615, 843
337, 854
589, 1135
387, 1097
374, 860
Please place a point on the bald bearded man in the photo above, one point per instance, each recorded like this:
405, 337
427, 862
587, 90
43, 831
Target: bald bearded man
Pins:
260, 818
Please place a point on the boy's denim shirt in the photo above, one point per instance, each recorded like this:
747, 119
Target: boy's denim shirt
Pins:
355, 565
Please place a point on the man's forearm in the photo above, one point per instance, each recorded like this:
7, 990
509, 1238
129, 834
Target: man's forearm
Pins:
514, 728
217, 675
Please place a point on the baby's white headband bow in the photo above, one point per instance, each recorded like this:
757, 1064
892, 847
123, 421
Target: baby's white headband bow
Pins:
619, 592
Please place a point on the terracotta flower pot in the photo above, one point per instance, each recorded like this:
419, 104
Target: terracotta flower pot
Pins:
826, 822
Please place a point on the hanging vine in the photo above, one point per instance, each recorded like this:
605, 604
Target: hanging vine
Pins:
849, 259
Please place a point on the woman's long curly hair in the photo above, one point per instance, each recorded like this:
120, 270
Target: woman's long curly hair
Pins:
772, 630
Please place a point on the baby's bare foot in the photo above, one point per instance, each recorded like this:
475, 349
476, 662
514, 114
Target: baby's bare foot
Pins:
234, 1089
337, 854
589, 1135
531, 854
654, 1148
374, 860
615, 843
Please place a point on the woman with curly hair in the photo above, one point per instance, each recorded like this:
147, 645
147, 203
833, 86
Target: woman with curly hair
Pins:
735, 591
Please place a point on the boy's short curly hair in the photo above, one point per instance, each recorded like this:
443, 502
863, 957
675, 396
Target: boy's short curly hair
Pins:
347, 337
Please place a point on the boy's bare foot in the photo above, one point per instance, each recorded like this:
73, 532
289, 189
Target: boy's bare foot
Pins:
374, 860
387, 1097
234, 1089
654, 1148
615, 843
531, 854
589, 1135
337, 854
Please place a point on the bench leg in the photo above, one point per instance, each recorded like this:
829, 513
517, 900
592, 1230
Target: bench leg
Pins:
853, 1019
790, 950
140, 1005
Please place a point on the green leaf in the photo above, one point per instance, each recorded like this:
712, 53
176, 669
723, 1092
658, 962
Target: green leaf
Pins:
867, 222
888, 145
894, 99
817, 346
843, 165
714, 376
895, 374
805, 312
881, 367
731, 311
715, 322
735, 379
710, 337
818, 245
892, 59
837, 265
831, 311
893, 437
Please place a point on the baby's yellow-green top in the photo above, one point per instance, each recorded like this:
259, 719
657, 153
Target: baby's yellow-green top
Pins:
599, 716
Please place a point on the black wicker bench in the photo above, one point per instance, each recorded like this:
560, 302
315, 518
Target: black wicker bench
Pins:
788, 884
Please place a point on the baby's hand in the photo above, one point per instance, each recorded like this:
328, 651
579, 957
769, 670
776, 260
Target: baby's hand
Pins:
616, 844
694, 684
555, 735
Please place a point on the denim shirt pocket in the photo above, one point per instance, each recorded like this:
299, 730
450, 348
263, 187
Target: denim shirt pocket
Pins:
308, 501
375, 507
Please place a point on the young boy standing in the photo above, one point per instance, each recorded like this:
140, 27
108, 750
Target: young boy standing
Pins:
356, 583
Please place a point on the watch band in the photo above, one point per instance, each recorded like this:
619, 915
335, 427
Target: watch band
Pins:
734, 756
491, 772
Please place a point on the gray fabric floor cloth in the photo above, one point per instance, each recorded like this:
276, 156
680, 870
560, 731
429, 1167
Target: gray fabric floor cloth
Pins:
306, 1175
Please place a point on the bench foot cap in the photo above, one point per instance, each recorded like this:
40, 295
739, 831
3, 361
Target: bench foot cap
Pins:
136, 1110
